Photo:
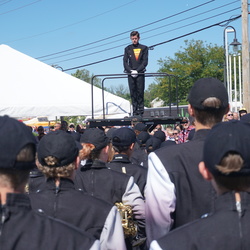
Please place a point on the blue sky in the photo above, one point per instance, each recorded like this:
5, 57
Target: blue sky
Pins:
101, 29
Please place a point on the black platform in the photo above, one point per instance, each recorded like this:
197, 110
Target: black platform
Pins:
152, 116
129, 121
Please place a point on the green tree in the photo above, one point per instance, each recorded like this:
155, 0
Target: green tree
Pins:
121, 91
194, 61
85, 75
150, 94
74, 119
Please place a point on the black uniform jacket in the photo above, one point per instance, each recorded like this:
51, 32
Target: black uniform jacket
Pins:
225, 228
99, 181
36, 180
22, 228
139, 156
122, 164
174, 182
194, 195
71, 205
129, 59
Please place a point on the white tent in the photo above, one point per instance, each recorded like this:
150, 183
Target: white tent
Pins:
31, 88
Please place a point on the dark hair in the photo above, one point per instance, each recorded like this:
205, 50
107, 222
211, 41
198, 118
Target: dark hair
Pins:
64, 126
229, 164
26, 154
120, 149
16, 177
40, 129
135, 33
79, 129
213, 113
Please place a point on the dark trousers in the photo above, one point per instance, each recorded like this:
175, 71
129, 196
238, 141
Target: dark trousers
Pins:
136, 87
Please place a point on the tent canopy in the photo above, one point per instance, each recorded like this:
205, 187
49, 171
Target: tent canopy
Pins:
32, 88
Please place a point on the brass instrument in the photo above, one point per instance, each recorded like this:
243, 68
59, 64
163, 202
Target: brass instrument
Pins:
128, 223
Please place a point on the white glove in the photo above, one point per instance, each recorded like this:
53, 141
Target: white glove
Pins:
134, 73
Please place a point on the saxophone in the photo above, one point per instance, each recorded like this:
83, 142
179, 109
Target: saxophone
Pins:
130, 227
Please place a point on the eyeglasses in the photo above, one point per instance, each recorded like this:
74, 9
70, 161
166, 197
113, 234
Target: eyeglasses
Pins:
229, 114
175, 133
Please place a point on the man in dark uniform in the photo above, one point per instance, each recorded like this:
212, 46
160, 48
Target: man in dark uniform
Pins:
123, 140
226, 162
135, 61
99, 181
175, 192
20, 226
139, 154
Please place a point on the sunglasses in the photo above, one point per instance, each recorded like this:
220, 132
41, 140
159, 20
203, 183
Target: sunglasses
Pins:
229, 114
175, 133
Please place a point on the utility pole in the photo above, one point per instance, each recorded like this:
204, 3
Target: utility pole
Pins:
245, 56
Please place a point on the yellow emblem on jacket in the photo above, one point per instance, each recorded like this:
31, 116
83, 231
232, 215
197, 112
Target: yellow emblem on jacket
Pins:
137, 53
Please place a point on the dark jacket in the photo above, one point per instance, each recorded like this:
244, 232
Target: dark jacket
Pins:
99, 181
174, 182
227, 227
194, 195
129, 59
139, 156
71, 205
36, 180
122, 164
23, 228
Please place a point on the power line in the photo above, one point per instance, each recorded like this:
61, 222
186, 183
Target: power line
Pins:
69, 25
21, 7
97, 52
76, 52
205, 12
195, 22
98, 46
158, 44
104, 60
208, 27
4, 2
125, 32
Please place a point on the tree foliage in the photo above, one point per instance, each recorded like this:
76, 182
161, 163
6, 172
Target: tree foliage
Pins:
121, 91
74, 119
85, 75
194, 61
